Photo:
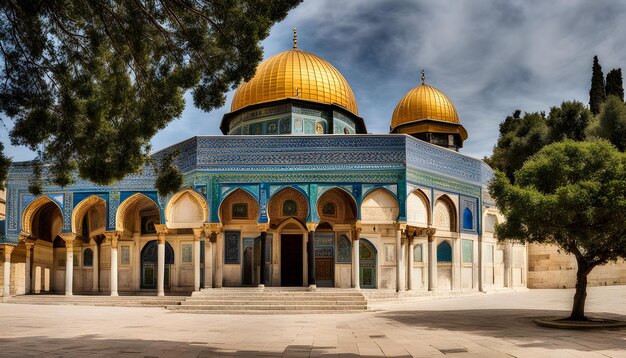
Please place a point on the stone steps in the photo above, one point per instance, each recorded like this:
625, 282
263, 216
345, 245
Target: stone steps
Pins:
263, 307
270, 303
118, 301
269, 300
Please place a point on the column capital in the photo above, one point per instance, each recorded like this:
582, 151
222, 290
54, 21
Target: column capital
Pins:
161, 229
113, 237
358, 227
29, 242
69, 238
430, 232
263, 227
7, 250
311, 226
400, 225
212, 228
23, 236
198, 233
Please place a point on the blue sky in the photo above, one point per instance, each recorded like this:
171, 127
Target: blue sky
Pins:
489, 57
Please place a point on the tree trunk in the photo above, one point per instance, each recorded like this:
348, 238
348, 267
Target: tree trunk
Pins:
578, 310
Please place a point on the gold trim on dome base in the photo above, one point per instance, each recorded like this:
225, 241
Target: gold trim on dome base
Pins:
431, 126
295, 74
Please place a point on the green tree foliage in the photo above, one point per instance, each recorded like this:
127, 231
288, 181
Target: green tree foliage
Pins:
611, 122
170, 178
520, 138
5, 162
615, 84
573, 195
570, 120
89, 83
597, 92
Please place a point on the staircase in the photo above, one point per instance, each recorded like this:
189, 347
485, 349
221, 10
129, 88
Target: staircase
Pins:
98, 300
273, 300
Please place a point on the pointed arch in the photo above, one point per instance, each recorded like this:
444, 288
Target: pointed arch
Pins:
368, 264
444, 214
418, 212
337, 205
32, 208
132, 205
379, 206
444, 252
468, 219
291, 221
286, 203
186, 209
239, 204
82, 209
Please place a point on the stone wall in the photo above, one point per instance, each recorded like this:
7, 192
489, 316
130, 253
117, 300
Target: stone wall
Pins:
549, 268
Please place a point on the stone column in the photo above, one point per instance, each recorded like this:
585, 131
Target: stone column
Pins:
219, 259
95, 275
399, 228
69, 261
113, 237
356, 279
6, 292
28, 271
475, 270
263, 228
432, 259
508, 265
208, 259
457, 256
197, 234
161, 232
410, 260
481, 278
310, 251
218, 248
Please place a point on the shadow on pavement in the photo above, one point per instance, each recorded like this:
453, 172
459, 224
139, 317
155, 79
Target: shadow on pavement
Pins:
95, 346
514, 325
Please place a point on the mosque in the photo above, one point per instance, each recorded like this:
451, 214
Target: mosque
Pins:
295, 193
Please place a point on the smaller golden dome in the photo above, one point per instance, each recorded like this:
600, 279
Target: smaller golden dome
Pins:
424, 103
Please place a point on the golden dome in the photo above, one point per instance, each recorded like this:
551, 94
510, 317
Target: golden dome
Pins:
424, 103
295, 74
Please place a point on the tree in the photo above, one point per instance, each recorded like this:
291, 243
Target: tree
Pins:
89, 83
520, 138
570, 120
614, 84
596, 93
611, 122
573, 195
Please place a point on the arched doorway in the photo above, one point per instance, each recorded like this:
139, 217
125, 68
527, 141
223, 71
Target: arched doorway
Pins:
367, 264
325, 255
288, 210
149, 260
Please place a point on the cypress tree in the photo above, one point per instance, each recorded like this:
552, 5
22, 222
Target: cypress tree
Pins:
596, 93
614, 84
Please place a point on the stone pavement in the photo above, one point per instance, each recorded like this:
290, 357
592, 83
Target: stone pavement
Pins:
492, 325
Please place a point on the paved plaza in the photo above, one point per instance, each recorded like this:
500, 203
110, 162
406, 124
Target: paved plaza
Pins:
492, 325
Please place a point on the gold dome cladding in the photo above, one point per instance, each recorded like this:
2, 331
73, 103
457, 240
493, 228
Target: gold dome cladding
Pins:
421, 103
295, 74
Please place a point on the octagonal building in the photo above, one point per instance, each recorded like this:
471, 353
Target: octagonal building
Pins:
295, 193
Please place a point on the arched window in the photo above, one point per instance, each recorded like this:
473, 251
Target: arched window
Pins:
88, 258
289, 208
468, 219
444, 214
344, 254
444, 252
